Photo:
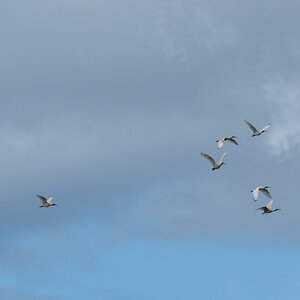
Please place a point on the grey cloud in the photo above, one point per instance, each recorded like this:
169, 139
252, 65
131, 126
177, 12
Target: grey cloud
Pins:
102, 103
106, 106
282, 99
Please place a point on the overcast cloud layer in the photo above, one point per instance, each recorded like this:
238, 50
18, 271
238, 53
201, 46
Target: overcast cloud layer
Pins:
106, 106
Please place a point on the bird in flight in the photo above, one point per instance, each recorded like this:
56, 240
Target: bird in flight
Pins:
214, 164
45, 202
255, 131
263, 189
268, 209
226, 138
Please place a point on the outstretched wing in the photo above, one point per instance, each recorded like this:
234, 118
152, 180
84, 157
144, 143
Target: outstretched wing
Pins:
209, 158
265, 128
269, 206
49, 200
251, 127
43, 199
264, 208
266, 192
221, 159
231, 140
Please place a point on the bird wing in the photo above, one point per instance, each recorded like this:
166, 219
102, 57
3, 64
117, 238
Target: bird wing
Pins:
220, 143
49, 200
232, 140
269, 206
264, 208
209, 158
265, 128
43, 199
221, 159
255, 194
251, 127
266, 192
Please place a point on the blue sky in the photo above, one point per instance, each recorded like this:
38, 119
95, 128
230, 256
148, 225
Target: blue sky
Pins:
156, 269
106, 106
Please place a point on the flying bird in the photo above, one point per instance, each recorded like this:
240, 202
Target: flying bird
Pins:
255, 131
268, 209
214, 164
226, 138
263, 189
45, 202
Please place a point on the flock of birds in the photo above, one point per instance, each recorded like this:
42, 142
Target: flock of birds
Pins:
217, 165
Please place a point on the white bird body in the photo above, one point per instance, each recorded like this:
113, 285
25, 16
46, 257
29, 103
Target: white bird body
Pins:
255, 131
268, 209
212, 161
226, 138
45, 202
263, 189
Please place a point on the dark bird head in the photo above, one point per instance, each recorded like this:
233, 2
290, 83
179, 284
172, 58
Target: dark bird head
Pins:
54, 204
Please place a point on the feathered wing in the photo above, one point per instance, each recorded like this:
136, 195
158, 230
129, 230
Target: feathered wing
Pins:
251, 127
232, 141
266, 192
265, 128
255, 194
221, 159
264, 208
43, 199
49, 200
212, 161
269, 206
220, 143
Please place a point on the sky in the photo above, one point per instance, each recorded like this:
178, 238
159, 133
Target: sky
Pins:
106, 107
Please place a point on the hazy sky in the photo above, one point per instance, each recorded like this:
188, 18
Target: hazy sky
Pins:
106, 106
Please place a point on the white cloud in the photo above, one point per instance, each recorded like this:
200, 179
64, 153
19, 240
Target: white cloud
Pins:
283, 100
